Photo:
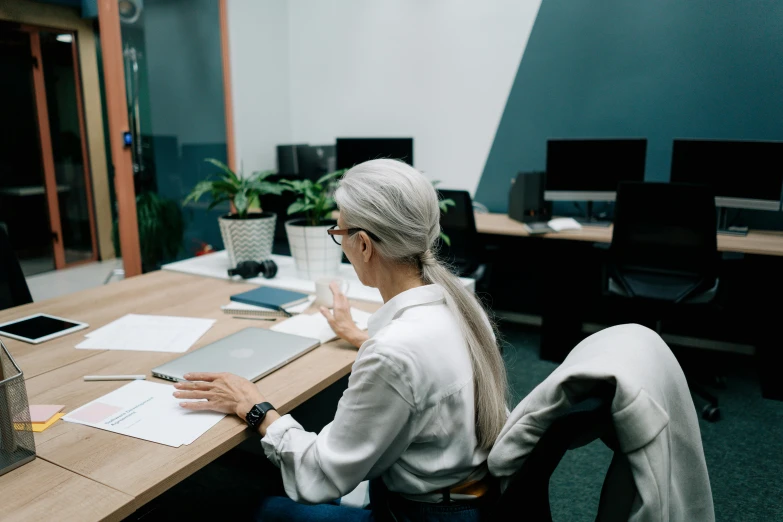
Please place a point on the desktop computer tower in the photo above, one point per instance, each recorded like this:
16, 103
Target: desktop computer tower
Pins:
526, 198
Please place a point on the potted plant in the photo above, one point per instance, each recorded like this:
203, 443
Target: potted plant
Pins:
247, 235
315, 253
161, 229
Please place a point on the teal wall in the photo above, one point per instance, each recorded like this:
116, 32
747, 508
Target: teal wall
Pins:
660, 70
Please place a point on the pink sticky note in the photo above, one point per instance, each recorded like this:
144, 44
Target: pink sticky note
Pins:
95, 412
43, 412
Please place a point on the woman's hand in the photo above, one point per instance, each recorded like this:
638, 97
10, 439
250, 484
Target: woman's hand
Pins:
224, 392
340, 319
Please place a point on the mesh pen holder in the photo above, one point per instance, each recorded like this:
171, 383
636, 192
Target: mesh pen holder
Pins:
17, 444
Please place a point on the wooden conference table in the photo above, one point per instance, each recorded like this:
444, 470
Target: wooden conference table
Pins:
84, 473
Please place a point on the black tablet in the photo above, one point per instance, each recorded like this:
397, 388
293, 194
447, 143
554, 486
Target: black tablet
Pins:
38, 328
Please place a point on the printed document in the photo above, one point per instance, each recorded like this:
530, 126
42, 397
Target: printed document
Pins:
146, 410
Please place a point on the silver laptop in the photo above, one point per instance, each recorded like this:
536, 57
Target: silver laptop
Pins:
250, 353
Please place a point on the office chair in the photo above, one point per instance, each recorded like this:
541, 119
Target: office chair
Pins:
527, 495
664, 256
13, 287
459, 223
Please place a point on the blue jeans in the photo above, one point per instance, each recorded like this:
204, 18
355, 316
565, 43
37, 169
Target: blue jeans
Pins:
383, 507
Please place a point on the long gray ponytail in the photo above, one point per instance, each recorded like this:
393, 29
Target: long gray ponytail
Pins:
400, 206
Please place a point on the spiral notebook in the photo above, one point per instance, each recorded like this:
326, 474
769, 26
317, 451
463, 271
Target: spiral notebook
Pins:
235, 308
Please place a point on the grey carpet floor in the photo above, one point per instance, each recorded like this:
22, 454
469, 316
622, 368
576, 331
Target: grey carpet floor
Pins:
744, 453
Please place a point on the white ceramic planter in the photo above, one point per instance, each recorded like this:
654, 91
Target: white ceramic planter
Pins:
248, 239
315, 253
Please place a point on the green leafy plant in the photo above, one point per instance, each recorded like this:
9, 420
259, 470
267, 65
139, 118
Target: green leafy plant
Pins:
161, 229
242, 191
444, 208
314, 198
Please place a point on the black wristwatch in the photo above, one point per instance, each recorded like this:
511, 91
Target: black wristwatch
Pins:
257, 414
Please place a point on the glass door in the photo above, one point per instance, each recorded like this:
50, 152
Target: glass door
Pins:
24, 208
69, 149
173, 63
45, 192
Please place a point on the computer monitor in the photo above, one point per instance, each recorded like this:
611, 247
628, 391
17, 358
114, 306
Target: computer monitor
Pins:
352, 151
743, 174
590, 169
288, 160
315, 160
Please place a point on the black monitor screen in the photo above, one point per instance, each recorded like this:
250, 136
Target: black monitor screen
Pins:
593, 165
352, 151
735, 169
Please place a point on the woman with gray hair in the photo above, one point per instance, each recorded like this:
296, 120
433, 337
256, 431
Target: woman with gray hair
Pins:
427, 394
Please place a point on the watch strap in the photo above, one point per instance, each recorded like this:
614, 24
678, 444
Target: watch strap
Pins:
257, 414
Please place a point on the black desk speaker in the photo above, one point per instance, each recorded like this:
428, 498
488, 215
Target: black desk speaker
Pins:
526, 198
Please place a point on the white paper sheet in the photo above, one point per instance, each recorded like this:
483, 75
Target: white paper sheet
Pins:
150, 333
146, 410
316, 326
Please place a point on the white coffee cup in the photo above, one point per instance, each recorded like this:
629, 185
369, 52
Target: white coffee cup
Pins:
323, 294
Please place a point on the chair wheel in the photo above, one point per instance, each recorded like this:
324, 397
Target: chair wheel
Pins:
710, 413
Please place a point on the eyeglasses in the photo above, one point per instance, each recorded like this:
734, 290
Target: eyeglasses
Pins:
337, 232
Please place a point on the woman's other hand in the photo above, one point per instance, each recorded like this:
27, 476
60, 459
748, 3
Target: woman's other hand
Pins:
340, 318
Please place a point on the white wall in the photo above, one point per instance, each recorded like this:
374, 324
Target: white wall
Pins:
437, 70
258, 43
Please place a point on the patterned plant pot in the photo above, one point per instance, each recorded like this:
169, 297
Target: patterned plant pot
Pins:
315, 253
248, 239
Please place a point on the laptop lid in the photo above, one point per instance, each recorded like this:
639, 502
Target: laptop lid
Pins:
250, 353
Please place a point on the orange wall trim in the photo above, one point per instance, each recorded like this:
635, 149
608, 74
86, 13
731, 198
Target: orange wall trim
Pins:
228, 100
117, 110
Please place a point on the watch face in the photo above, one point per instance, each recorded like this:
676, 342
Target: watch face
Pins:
254, 416
257, 413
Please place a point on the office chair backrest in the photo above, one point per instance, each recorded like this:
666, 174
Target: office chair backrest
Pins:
459, 224
13, 287
667, 226
527, 494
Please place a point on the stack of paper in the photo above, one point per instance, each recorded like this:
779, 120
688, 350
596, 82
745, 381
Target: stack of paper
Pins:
146, 410
149, 333
316, 326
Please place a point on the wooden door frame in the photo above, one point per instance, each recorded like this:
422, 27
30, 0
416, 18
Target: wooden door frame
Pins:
85, 154
117, 112
47, 155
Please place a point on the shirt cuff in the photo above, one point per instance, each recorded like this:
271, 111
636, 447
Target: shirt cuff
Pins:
274, 437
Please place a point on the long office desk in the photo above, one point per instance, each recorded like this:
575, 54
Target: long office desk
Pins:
756, 242
84, 473
565, 262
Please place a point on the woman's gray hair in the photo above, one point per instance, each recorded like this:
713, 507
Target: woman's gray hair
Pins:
399, 205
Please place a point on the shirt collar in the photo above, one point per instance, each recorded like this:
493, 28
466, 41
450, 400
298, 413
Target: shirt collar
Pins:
421, 295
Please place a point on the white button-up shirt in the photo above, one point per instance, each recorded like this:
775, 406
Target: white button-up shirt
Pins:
407, 415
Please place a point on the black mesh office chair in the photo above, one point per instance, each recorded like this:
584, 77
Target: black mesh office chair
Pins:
584, 422
13, 287
664, 255
459, 223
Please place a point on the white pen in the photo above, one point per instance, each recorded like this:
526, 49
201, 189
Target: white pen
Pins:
115, 377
